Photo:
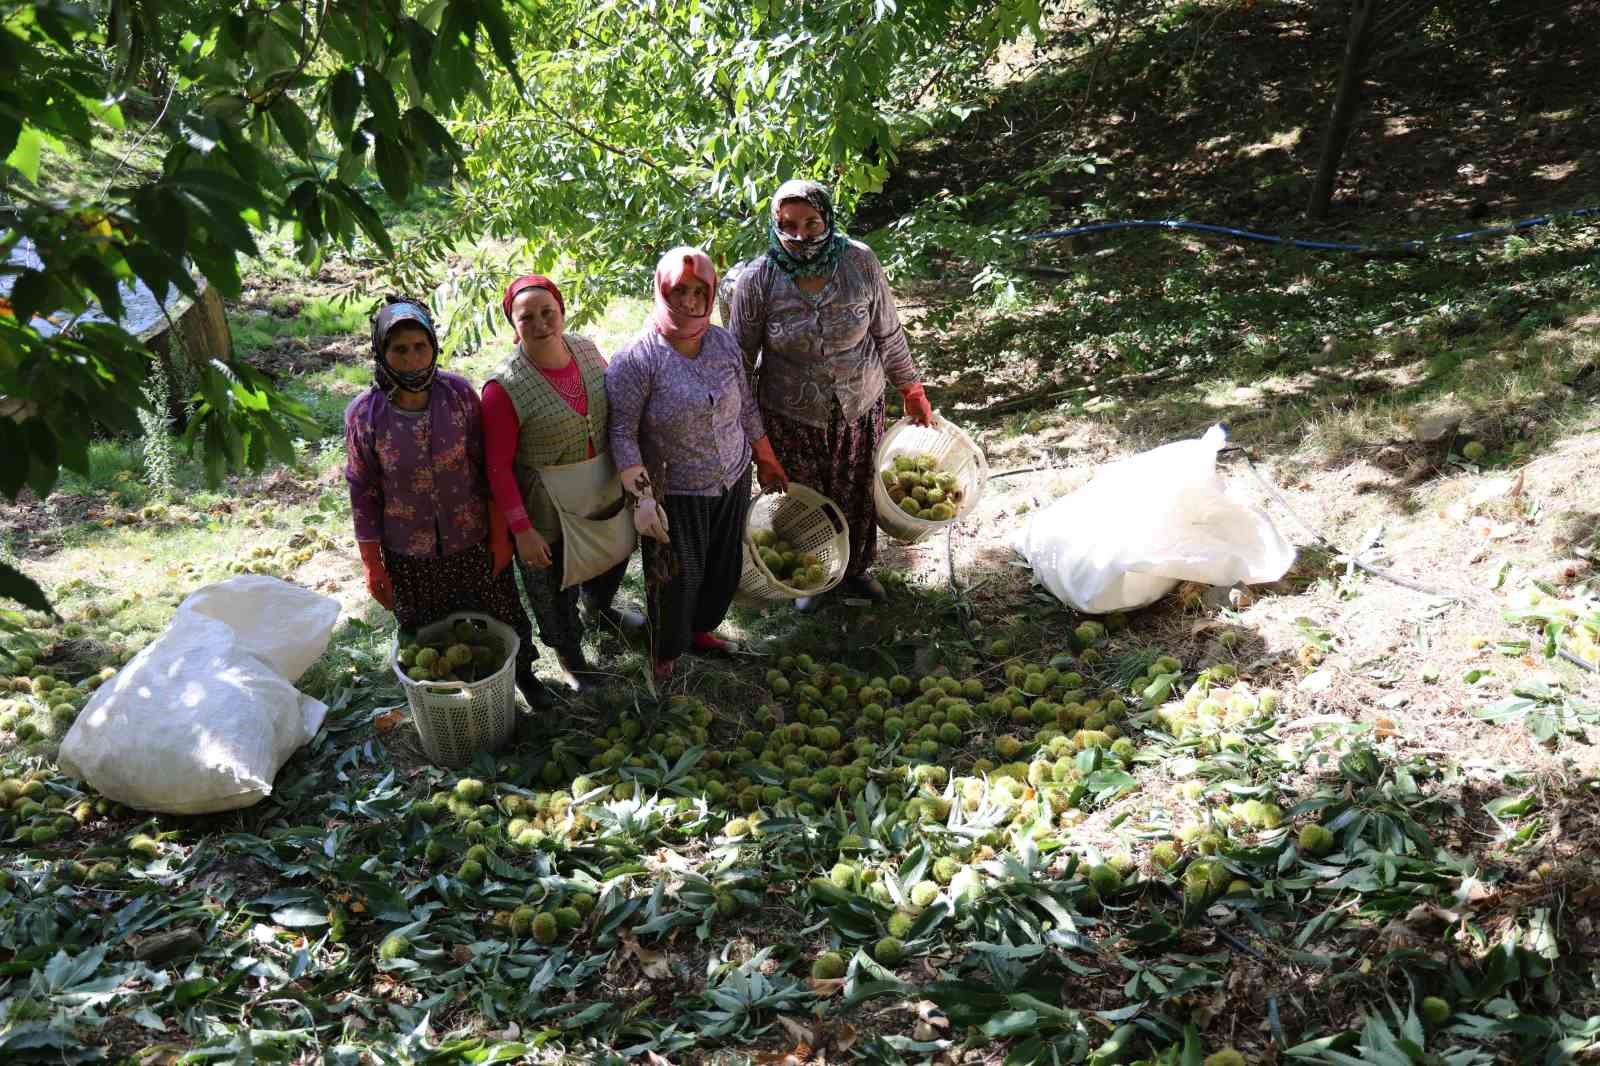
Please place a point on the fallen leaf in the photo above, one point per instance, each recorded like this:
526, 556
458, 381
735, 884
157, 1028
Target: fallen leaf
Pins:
1490, 529
1317, 681
802, 1033
653, 963
389, 721
825, 986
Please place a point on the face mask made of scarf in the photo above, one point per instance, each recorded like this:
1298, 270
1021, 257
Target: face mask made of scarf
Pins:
803, 247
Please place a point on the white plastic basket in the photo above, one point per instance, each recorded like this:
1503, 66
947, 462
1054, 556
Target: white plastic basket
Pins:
955, 451
458, 719
810, 522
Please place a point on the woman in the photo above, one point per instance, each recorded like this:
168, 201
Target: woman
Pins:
816, 315
545, 407
680, 402
425, 527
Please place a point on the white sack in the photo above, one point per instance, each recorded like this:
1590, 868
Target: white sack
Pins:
202, 719
1145, 523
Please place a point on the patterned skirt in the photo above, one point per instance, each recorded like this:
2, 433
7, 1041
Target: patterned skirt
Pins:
427, 588
839, 462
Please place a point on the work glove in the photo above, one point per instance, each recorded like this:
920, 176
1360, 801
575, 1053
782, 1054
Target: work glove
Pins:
769, 471
499, 538
916, 403
378, 582
650, 519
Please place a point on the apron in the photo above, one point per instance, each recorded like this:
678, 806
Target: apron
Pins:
596, 526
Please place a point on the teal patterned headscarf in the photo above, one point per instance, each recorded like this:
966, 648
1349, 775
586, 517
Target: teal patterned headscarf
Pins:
817, 256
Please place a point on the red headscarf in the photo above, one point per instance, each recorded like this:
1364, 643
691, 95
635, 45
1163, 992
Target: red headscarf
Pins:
531, 281
680, 263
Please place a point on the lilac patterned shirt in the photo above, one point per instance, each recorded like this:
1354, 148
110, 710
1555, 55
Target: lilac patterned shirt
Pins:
417, 480
817, 348
698, 415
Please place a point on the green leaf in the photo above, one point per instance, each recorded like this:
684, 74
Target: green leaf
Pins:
10, 128
1011, 1023
34, 293
420, 44
394, 166
293, 124
300, 917
344, 98
499, 30
380, 98
25, 156
94, 273
1512, 806
15, 585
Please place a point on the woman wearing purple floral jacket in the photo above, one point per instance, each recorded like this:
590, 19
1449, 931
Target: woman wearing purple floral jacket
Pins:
430, 542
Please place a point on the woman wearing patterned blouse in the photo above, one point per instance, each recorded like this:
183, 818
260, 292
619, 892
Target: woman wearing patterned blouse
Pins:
414, 464
817, 317
546, 406
680, 403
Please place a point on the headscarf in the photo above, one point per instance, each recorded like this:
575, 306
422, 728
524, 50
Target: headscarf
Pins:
677, 264
531, 281
396, 311
818, 255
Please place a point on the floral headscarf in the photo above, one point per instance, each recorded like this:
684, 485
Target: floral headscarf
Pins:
817, 256
397, 311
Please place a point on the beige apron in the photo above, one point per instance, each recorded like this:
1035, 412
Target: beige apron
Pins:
596, 526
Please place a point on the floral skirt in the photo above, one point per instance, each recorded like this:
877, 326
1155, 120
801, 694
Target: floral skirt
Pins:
427, 588
838, 461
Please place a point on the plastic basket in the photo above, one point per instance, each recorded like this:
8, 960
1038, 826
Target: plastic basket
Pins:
955, 451
810, 522
458, 719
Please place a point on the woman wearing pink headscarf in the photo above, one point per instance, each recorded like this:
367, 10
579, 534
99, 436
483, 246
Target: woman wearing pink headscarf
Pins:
681, 403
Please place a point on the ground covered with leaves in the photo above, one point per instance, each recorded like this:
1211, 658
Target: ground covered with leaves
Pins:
1339, 819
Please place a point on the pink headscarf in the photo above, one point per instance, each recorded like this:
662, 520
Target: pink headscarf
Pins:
677, 264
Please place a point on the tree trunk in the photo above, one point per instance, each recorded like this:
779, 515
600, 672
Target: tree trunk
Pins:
1342, 114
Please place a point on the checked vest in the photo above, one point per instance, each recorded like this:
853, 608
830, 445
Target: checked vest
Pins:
550, 432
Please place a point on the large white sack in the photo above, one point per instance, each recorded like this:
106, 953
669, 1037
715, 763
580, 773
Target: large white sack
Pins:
202, 719
1145, 523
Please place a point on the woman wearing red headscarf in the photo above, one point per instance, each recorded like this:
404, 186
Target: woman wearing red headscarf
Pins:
680, 402
545, 407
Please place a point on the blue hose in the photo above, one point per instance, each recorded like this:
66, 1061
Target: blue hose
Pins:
1413, 247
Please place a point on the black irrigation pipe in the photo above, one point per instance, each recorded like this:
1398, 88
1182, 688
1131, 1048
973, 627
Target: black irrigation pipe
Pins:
1404, 247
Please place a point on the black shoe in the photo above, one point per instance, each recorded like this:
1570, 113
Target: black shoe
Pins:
536, 692
866, 586
622, 619
584, 677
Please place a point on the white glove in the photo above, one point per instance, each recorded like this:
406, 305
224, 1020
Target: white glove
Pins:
650, 520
